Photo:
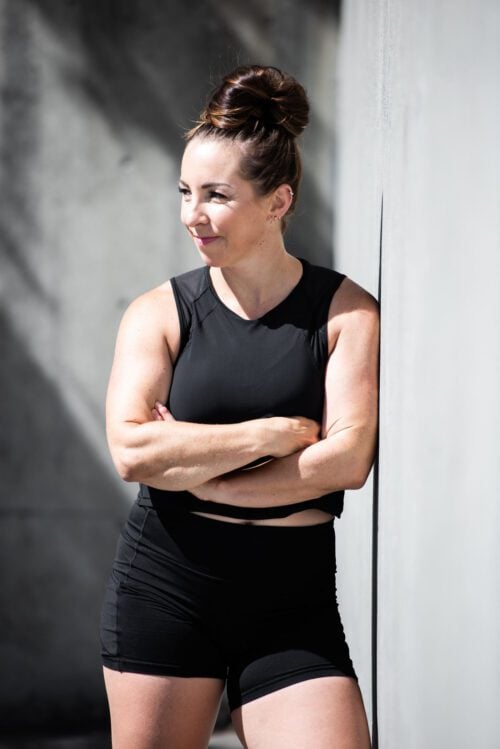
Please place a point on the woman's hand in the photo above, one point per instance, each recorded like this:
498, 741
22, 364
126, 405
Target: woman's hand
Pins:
161, 413
286, 435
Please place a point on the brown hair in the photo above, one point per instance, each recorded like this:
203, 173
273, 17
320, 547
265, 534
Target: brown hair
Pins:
264, 110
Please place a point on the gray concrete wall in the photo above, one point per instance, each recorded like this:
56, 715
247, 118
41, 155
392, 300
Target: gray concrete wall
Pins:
94, 97
419, 124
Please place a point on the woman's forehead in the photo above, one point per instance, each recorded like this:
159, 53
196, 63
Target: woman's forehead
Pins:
208, 159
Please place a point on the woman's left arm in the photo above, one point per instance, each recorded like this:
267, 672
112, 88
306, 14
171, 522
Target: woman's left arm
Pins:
342, 459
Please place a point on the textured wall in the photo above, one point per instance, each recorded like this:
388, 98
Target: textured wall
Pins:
419, 124
94, 97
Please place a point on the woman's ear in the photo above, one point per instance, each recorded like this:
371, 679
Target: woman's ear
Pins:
282, 200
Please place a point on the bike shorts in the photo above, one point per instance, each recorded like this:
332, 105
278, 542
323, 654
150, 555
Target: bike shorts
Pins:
252, 605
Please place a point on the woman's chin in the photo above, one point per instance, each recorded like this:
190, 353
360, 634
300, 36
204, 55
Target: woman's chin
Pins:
214, 262
211, 258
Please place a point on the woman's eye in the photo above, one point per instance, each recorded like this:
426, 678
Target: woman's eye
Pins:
213, 194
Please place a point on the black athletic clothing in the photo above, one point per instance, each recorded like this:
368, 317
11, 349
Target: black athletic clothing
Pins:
197, 596
194, 596
230, 369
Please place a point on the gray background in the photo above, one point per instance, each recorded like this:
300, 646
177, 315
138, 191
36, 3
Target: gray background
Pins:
419, 129
95, 97
401, 192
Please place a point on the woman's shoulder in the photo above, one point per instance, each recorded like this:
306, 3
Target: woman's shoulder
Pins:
352, 308
351, 296
154, 314
346, 294
155, 301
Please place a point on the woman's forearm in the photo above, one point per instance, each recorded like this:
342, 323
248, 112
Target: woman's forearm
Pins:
177, 455
342, 461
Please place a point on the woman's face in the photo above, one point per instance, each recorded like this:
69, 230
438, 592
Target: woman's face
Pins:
220, 209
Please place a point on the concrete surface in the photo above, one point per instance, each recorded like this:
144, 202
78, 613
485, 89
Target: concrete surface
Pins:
419, 124
94, 97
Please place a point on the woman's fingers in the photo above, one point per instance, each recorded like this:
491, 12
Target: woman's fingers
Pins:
163, 412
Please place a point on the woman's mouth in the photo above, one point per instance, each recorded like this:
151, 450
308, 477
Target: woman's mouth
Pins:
203, 241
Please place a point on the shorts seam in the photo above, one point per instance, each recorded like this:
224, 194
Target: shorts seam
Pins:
306, 671
124, 582
136, 546
129, 665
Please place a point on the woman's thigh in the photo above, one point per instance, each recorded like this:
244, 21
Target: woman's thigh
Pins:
155, 712
320, 713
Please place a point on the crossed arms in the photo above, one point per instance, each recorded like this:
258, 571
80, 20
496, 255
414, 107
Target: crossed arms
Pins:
148, 445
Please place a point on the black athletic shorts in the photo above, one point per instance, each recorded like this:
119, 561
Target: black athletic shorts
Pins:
253, 605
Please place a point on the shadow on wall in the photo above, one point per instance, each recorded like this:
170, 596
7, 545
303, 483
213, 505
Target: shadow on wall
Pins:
146, 67
57, 546
150, 64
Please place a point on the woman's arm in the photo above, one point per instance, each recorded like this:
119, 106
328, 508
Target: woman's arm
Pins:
343, 457
176, 455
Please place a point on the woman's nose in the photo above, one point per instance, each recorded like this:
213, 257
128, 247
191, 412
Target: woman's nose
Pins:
193, 213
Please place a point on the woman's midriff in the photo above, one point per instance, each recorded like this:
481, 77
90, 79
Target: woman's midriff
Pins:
306, 517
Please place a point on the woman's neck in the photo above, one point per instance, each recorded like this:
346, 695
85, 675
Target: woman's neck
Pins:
257, 282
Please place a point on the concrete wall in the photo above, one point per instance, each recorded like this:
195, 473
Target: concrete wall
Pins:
94, 97
419, 124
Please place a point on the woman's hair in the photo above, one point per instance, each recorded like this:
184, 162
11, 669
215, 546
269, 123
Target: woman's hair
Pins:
264, 110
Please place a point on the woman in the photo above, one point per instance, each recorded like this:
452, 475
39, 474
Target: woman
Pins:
243, 398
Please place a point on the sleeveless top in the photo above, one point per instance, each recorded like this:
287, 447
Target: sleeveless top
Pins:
230, 369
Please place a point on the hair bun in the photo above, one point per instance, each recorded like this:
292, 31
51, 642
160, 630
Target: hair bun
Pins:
254, 98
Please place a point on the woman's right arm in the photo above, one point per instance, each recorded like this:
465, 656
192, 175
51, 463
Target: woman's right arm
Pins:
177, 455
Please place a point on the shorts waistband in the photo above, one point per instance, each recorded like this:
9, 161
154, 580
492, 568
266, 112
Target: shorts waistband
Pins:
214, 524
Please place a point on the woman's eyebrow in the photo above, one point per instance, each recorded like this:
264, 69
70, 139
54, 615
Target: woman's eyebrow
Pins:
208, 184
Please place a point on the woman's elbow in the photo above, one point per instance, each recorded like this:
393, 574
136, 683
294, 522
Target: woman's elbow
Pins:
357, 482
127, 463
360, 474
132, 467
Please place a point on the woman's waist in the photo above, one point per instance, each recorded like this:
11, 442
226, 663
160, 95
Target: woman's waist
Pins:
301, 518
161, 547
309, 512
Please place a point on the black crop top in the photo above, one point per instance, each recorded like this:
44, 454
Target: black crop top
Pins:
230, 369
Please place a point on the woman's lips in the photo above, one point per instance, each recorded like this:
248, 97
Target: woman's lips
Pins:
204, 240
